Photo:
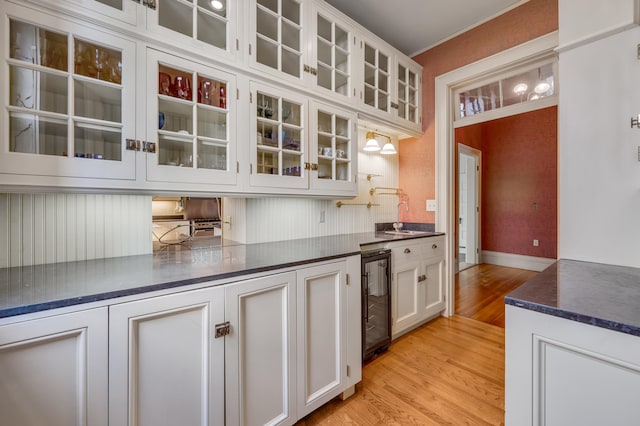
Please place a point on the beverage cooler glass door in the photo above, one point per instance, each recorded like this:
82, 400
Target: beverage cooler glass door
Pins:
376, 303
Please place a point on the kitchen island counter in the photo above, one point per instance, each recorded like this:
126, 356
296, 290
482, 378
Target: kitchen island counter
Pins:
37, 288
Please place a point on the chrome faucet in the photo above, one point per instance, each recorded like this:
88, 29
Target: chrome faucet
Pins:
398, 225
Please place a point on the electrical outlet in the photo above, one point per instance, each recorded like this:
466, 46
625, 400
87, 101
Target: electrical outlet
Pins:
536, 243
322, 216
431, 205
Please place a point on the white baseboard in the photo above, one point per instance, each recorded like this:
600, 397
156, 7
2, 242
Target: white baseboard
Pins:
516, 260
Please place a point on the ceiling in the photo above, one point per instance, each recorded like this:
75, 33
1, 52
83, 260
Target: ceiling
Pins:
413, 26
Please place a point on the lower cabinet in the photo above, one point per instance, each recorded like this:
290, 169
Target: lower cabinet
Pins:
166, 367
417, 284
53, 371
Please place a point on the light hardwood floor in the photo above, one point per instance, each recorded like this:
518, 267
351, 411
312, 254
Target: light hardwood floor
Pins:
447, 372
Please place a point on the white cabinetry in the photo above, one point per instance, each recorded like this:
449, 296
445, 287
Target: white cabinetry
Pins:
53, 371
563, 372
260, 351
114, 11
284, 155
191, 116
377, 83
322, 325
417, 292
70, 104
408, 93
165, 365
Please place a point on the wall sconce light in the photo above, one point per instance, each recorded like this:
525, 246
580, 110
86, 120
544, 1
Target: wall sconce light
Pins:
373, 146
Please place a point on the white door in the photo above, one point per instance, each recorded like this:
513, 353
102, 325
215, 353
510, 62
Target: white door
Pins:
260, 351
53, 371
165, 366
468, 206
404, 293
321, 330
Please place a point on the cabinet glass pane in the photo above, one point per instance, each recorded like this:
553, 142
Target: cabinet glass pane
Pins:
267, 53
267, 134
369, 96
267, 24
291, 113
175, 83
37, 135
342, 171
383, 101
117, 4
324, 76
325, 168
212, 156
95, 61
268, 162
412, 79
291, 164
272, 5
402, 92
324, 29
413, 96
370, 55
342, 84
383, 80
97, 101
219, 7
341, 60
369, 75
291, 36
37, 90
413, 113
291, 138
342, 127
383, 62
37, 46
267, 106
291, 10
176, 15
291, 62
324, 123
174, 151
175, 116
212, 92
341, 38
324, 52
402, 109
402, 74
212, 123
97, 143
212, 30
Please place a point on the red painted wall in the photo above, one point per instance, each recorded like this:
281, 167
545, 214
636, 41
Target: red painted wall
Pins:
417, 155
519, 181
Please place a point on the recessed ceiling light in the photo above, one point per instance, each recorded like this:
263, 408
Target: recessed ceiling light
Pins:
217, 4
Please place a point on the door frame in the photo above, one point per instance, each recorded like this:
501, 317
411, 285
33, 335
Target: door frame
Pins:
445, 86
477, 154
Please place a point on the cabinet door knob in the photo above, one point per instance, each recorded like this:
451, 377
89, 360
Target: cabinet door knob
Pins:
422, 278
407, 250
435, 246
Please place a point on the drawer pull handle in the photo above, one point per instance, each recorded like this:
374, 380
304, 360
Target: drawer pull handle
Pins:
435, 246
422, 278
407, 250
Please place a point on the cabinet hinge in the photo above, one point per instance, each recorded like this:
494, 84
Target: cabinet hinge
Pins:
149, 147
348, 281
249, 49
238, 94
250, 97
237, 44
132, 145
348, 371
237, 167
250, 168
222, 329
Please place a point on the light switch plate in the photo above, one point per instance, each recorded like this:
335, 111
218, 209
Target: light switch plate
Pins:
431, 205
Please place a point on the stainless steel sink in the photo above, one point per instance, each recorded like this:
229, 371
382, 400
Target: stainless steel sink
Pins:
406, 232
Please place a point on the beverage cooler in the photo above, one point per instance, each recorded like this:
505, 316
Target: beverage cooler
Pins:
376, 302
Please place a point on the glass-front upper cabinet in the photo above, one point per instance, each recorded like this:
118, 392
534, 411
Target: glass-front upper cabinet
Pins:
191, 119
120, 11
409, 91
376, 90
70, 103
201, 24
334, 135
333, 53
279, 155
277, 37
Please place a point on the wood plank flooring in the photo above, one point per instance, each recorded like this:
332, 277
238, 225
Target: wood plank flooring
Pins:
447, 372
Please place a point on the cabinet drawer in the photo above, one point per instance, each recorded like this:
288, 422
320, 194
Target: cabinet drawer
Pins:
417, 250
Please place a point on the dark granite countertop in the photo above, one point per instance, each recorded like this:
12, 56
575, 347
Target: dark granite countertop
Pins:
602, 295
30, 289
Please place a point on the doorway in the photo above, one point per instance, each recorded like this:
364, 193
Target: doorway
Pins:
469, 180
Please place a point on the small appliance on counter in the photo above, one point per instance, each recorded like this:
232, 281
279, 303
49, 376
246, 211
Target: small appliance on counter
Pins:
376, 302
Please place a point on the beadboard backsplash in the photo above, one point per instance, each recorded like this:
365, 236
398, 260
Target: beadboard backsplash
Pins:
50, 228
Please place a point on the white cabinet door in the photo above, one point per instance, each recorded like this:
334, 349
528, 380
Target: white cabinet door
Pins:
405, 293
377, 78
434, 301
70, 104
321, 321
408, 93
332, 59
207, 27
333, 150
165, 366
191, 117
53, 371
279, 142
278, 38
116, 11
260, 351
